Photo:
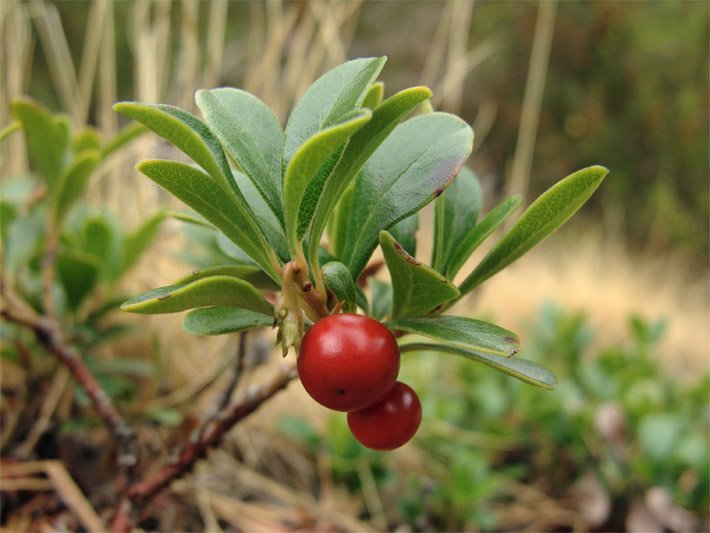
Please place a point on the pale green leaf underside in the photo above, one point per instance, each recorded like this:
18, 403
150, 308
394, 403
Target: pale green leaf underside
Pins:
462, 332
522, 369
543, 217
200, 192
361, 146
338, 280
488, 224
249, 273
267, 220
223, 320
417, 288
335, 94
306, 162
214, 290
251, 134
188, 133
374, 95
410, 168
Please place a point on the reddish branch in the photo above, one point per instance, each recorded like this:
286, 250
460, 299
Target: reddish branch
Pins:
49, 334
142, 492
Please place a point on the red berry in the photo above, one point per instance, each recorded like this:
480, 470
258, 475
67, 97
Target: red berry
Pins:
389, 423
348, 361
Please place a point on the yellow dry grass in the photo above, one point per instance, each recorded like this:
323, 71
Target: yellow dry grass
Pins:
598, 276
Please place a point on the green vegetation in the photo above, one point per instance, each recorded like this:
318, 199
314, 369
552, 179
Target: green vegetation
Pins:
618, 428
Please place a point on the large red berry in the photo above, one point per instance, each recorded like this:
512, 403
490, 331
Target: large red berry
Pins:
348, 361
389, 423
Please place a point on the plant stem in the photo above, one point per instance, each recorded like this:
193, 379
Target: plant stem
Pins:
139, 494
50, 335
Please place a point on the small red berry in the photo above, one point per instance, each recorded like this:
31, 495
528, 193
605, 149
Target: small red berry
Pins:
348, 361
389, 423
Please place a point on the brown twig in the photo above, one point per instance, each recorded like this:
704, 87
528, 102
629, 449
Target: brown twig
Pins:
140, 493
50, 335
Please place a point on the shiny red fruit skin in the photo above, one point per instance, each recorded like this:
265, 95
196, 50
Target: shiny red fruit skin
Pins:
348, 361
389, 423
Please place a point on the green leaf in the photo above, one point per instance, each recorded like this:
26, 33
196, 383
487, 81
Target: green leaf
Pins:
222, 320
381, 298
252, 136
200, 192
416, 163
47, 138
524, 370
543, 217
188, 133
249, 273
138, 241
79, 273
215, 290
405, 233
480, 233
462, 332
265, 217
658, 434
8, 130
417, 288
332, 96
361, 146
189, 218
338, 223
456, 215
304, 165
8, 214
73, 181
87, 139
100, 238
124, 136
374, 95
339, 281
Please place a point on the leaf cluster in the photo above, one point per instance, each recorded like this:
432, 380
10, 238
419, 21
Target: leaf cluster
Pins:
351, 166
52, 243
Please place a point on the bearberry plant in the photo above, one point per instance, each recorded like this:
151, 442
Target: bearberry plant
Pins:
301, 211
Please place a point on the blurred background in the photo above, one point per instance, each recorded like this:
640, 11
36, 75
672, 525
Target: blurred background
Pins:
617, 302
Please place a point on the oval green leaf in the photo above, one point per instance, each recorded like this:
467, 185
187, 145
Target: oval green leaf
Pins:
338, 280
306, 163
524, 370
249, 273
73, 181
417, 288
200, 192
211, 291
456, 215
251, 134
361, 146
47, 137
332, 96
188, 133
462, 332
415, 164
374, 95
543, 217
223, 320
468, 244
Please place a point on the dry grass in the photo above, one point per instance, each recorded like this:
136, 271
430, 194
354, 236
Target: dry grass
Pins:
598, 276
